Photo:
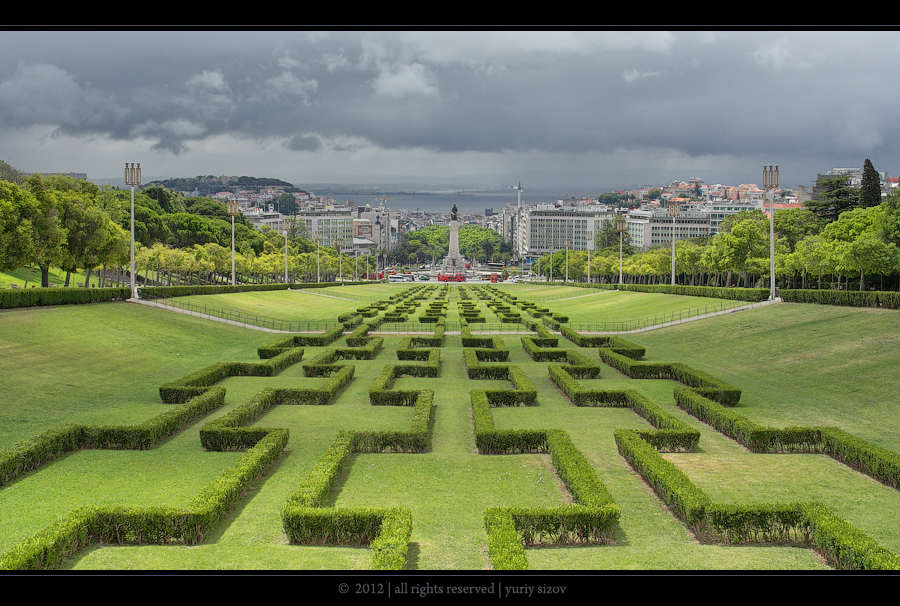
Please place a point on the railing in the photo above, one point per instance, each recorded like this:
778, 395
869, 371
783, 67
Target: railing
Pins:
338, 294
252, 320
659, 319
255, 320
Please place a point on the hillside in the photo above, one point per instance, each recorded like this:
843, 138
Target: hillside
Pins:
209, 185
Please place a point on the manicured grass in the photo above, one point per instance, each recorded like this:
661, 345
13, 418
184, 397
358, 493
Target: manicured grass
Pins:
104, 363
595, 306
284, 305
57, 277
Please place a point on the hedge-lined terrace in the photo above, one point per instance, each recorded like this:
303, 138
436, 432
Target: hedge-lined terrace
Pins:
526, 383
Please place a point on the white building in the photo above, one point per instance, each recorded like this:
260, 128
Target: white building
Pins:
719, 211
546, 228
328, 224
654, 227
258, 218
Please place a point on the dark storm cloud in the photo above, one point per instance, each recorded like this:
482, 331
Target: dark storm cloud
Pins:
818, 95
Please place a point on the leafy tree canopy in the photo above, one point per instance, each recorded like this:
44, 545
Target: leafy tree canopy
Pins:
835, 196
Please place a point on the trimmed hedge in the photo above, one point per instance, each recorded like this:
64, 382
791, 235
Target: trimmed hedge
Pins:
592, 520
809, 524
283, 344
738, 294
30, 454
32, 297
505, 548
701, 382
671, 434
673, 487
870, 459
92, 525
196, 383
849, 298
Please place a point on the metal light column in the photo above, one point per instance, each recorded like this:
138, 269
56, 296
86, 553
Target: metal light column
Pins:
338, 245
620, 227
673, 210
284, 225
232, 210
132, 178
770, 182
318, 263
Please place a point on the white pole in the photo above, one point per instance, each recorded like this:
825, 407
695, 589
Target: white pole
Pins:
132, 178
770, 180
620, 225
133, 295
674, 212
232, 251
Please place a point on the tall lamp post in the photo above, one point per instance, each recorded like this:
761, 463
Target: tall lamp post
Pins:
318, 263
673, 211
770, 182
232, 210
338, 245
132, 178
284, 226
621, 225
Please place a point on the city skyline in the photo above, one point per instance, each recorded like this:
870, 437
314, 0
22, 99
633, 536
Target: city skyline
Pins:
552, 109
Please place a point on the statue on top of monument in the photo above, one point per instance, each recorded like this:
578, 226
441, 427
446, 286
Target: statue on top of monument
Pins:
453, 213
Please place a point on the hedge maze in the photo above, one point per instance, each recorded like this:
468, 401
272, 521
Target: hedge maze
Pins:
592, 516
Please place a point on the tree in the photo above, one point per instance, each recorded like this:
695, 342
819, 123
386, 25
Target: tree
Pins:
49, 235
16, 231
611, 199
488, 247
168, 200
10, 174
472, 239
606, 240
867, 252
286, 204
870, 188
745, 244
88, 230
834, 197
795, 224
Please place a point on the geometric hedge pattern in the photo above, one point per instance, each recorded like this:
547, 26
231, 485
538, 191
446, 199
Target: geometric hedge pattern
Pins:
590, 519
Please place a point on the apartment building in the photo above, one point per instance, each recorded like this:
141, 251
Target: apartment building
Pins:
329, 224
653, 227
720, 210
547, 228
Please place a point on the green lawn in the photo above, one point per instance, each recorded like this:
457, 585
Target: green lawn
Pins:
796, 364
32, 276
584, 305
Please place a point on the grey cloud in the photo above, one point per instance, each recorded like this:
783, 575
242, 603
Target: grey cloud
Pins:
305, 143
692, 94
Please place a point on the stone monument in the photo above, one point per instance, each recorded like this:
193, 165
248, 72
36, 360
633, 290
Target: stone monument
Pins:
454, 263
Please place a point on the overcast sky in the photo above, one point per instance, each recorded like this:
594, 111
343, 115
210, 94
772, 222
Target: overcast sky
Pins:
576, 110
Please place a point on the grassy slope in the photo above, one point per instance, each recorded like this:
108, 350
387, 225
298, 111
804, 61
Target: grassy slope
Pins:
448, 487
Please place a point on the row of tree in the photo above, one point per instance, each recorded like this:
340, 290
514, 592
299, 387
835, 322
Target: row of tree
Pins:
73, 224
847, 235
63, 222
432, 243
